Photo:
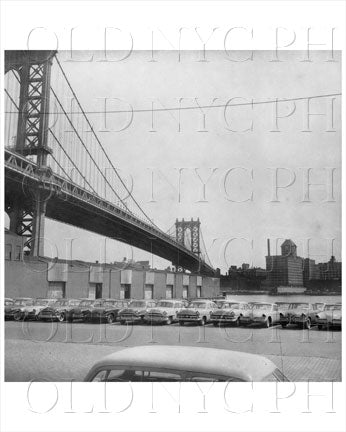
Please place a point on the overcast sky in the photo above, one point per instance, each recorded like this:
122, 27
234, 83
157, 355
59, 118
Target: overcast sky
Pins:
238, 150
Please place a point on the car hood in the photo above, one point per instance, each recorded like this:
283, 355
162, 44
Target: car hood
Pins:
133, 310
226, 311
189, 311
32, 308
298, 311
259, 313
57, 308
105, 309
330, 314
162, 310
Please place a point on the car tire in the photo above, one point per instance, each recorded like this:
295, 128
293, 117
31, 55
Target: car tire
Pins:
202, 322
237, 323
110, 318
61, 317
17, 316
268, 322
320, 327
181, 323
122, 322
283, 325
216, 324
169, 321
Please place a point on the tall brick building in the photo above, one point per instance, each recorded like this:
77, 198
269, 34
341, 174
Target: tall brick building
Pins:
285, 269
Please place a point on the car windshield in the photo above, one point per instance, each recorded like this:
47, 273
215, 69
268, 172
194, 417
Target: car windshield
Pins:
23, 302
262, 306
198, 305
98, 303
110, 303
61, 303
165, 304
73, 302
298, 305
41, 302
230, 305
86, 303
283, 305
137, 304
332, 307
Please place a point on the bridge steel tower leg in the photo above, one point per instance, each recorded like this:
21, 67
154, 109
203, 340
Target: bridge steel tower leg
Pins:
194, 226
34, 69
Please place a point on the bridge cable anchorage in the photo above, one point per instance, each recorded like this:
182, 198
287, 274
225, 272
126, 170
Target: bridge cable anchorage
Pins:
104, 152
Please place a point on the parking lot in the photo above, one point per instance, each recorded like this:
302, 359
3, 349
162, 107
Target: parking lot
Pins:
62, 351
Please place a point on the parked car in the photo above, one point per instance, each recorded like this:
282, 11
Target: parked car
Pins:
106, 310
265, 314
330, 316
59, 310
229, 313
15, 311
8, 306
135, 312
81, 311
283, 306
300, 314
183, 363
198, 312
165, 312
31, 311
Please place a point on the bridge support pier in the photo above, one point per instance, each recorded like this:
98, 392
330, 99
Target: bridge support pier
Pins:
38, 225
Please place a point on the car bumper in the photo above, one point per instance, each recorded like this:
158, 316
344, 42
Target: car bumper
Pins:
130, 318
156, 318
223, 319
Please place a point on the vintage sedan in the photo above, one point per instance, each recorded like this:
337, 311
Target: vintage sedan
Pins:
135, 312
262, 313
82, 311
8, 306
60, 310
197, 312
229, 313
301, 314
183, 363
165, 312
106, 310
15, 311
33, 310
330, 316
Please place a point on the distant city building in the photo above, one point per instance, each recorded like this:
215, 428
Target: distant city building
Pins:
285, 269
330, 270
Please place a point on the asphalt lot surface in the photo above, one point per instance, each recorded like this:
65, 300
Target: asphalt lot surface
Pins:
63, 351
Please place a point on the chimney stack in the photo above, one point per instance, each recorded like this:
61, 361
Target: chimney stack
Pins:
268, 245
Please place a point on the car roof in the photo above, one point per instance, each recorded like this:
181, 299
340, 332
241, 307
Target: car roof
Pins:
239, 365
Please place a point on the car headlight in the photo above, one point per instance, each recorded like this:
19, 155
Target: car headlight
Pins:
317, 316
263, 315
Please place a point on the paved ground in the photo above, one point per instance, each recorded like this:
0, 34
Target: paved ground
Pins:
62, 351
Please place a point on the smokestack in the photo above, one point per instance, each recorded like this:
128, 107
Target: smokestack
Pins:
268, 245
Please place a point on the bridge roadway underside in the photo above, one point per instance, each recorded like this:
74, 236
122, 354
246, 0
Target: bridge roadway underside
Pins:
85, 215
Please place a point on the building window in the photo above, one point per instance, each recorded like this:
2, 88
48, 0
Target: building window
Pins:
125, 291
199, 291
169, 291
148, 291
8, 251
185, 291
18, 254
